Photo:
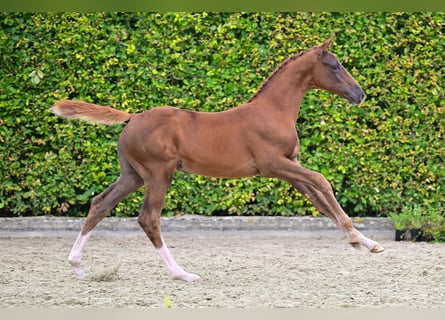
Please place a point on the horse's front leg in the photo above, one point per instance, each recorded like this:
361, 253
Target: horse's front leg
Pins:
318, 190
328, 205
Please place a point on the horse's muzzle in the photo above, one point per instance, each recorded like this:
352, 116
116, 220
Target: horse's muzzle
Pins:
357, 96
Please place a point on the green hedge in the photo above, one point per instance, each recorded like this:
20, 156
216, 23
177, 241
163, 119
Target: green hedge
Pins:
380, 156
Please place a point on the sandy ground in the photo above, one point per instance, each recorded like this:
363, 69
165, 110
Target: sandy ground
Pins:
237, 269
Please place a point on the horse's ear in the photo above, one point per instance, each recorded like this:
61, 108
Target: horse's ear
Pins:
323, 48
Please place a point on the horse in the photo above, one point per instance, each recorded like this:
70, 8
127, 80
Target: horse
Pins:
257, 138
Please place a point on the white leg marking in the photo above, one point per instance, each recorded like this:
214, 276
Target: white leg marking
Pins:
75, 256
173, 268
372, 245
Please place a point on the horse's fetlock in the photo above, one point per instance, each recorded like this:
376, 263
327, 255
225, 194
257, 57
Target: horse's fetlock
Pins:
74, 261
346, 223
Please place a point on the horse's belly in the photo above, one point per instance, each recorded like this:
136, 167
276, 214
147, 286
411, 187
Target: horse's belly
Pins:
219, 168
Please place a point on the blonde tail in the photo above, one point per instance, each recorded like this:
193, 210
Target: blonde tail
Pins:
90, 112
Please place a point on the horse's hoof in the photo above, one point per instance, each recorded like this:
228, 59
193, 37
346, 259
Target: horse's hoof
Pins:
80, 274
377, 249
187, 277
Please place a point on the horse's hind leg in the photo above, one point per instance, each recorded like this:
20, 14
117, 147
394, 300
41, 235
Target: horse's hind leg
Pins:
102, 204
149, 220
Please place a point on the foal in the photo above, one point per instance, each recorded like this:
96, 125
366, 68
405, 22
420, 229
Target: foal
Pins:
256, 138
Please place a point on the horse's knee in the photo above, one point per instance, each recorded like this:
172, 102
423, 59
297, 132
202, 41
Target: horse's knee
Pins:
320, 182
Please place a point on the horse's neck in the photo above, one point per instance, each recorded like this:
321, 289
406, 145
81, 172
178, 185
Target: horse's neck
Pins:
284, 92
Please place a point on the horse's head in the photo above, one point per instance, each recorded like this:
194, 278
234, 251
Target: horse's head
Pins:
330, 75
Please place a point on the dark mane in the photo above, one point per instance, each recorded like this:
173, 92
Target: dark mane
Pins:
280, 68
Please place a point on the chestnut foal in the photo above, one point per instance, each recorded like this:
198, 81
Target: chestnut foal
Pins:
255, 138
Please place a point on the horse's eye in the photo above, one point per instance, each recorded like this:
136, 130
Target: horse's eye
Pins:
335, 67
